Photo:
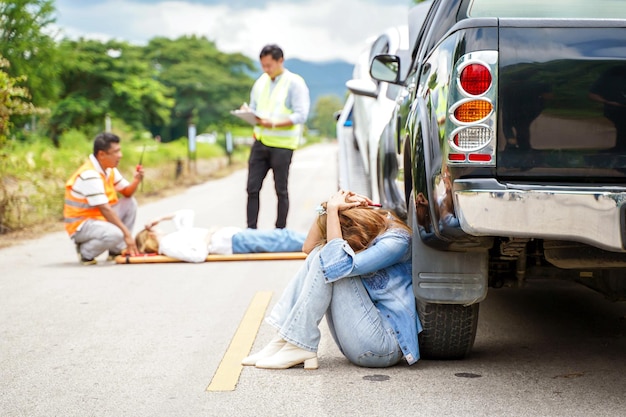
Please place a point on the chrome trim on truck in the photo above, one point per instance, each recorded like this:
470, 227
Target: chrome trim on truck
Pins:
592, 215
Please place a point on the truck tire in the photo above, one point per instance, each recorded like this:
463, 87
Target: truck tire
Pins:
449, 330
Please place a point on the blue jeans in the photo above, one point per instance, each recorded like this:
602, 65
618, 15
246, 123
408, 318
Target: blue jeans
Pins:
272, 240
362, 335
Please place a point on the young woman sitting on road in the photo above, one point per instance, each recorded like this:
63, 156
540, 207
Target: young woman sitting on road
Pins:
358, 274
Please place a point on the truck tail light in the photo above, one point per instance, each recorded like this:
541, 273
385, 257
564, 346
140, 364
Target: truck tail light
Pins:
471, 110
472, 138
475, 79
472, 157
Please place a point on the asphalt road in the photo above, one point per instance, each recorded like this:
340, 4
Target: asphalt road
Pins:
148, 340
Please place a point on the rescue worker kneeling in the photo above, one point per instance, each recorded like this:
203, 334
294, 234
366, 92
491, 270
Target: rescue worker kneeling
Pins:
95, 218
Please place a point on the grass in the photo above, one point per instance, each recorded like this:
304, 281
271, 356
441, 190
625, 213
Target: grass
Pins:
33, 174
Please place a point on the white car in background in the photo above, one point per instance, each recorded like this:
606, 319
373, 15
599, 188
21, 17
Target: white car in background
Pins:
366, 126
365, 116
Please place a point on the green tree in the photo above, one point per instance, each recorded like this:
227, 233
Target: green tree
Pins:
25, 41
108, 78
207, 83
323, 118
14, 100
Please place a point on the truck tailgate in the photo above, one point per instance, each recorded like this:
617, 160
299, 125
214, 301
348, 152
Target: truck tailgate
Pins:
562, 101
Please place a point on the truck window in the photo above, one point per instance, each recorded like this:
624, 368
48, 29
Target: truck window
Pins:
444, 18
577, 9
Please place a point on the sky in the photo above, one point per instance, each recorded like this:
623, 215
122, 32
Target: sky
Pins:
311, 30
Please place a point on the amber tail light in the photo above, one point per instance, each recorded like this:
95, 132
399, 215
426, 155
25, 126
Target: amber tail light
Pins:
473, 111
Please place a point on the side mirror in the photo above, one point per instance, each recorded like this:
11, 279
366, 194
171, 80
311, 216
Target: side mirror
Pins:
386, 68
363, 88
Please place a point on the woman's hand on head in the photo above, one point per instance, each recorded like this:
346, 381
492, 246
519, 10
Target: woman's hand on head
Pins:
345, 200
361, 199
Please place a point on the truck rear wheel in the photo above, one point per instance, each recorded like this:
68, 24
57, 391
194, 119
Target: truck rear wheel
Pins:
449, 330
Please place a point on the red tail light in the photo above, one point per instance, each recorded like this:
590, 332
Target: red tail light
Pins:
479, 157
475, 79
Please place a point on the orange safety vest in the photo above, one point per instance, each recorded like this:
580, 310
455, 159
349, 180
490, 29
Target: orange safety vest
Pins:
77, 209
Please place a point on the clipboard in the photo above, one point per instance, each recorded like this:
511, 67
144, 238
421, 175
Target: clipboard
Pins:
247, 115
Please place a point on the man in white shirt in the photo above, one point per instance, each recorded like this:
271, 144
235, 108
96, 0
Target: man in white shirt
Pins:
281, 101
95, 218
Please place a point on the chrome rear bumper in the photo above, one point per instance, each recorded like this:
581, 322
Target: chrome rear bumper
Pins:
592, 215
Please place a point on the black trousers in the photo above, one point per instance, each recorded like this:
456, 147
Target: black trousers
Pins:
262, 159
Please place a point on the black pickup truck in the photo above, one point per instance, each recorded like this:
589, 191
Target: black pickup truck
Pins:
512, 149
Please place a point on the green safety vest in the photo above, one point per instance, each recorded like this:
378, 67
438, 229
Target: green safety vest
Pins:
273, 106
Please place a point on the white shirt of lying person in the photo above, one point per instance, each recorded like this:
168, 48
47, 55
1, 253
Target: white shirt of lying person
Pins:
193, 244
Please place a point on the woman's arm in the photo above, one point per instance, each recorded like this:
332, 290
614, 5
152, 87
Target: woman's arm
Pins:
158, 220
183, 219
340, 261
340, 201
390, 249
312, 238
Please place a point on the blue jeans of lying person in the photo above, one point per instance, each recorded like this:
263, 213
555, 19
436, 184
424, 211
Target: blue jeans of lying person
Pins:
355, 323
272, 240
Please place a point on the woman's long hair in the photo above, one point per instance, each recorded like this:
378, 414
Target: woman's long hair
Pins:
361, 225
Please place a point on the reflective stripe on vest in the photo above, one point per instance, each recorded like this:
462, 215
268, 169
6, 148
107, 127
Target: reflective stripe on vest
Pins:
77, 209
273, 106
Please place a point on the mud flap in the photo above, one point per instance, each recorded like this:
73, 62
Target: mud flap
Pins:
447, 277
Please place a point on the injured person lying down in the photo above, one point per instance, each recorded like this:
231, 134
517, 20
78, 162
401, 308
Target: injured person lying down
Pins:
193, 244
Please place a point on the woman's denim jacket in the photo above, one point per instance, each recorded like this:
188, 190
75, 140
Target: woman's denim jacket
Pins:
385, 270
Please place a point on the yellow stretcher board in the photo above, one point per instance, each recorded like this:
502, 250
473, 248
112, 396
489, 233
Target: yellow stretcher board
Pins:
156, 259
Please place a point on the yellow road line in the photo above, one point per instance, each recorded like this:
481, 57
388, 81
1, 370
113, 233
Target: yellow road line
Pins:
227, 374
